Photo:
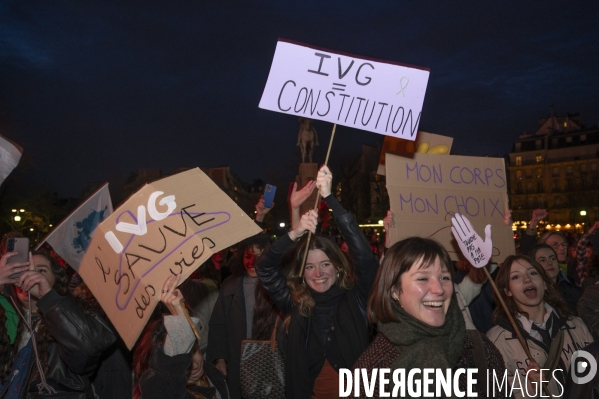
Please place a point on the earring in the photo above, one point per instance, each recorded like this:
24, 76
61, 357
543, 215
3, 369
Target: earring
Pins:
397, 301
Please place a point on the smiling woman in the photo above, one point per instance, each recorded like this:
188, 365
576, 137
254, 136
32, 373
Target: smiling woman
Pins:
418, 318
327, 325
551, 333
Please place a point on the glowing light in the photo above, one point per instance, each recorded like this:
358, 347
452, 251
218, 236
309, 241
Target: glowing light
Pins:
281, 224
583, 213
380, 222
17, 218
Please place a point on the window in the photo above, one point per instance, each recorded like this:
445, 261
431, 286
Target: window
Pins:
539, 158
583, 168
529, 173
570, 184
556, 185
593, 167
539, 186
539, 144
518, 187
569, 139
583, 137
519, 174
539, 173
554, 143
568, 170
517, 147
518, 160
555, 172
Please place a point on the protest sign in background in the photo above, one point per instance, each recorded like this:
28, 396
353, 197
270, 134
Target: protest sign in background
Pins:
71, 238
425, 143
426, 190
373, 95
169, 226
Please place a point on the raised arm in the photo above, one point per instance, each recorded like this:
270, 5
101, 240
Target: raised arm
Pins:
529, 238
364, 263
297, 198
167, 375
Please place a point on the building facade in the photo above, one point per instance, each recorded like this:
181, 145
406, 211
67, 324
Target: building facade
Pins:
555, 169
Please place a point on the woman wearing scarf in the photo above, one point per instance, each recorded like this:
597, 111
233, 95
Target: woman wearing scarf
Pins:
419, 321
327, 329
545, 322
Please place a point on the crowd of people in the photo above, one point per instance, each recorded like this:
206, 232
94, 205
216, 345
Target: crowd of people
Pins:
327, 303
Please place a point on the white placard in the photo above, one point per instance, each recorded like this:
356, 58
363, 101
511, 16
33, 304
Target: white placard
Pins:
378, 96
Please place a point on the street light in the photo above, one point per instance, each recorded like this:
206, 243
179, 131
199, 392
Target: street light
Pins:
17, 217
583, 213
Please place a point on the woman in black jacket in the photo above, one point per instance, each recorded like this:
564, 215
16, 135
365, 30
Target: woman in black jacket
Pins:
328, 329
69, 340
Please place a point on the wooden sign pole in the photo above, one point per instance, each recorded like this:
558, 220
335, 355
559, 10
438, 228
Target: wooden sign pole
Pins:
326, 161
191, 323
512, 322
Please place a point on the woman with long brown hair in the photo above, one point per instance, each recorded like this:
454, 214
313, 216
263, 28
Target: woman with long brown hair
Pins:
326, 300
551, 332
69, 341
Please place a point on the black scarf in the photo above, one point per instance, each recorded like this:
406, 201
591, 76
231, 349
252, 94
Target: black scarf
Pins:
423, 346
350, 332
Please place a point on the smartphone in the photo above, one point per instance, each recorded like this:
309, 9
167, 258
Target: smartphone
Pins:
21, 246
269, 195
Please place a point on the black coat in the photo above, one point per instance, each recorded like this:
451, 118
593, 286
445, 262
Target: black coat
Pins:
588, 309
365, 267
79, 341
227, 329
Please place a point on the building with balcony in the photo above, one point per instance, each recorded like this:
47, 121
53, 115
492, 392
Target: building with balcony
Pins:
555, 168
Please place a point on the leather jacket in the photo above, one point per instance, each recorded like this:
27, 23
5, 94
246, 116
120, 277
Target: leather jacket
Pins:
364, 263
79, 340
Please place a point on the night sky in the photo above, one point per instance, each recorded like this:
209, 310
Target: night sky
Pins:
95, 90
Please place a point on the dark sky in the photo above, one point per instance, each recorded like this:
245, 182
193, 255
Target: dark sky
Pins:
95, 90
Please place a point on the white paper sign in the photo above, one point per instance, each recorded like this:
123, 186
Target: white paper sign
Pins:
373, 95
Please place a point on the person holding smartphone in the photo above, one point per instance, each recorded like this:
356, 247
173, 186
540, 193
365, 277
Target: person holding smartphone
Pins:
69, 339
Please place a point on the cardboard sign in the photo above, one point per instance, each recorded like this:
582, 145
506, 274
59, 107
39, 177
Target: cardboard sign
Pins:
377, 96
169, 226
425, 143
425, 191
